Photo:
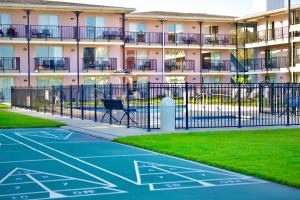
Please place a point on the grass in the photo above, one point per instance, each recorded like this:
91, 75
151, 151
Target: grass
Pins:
14, 120
2, 106
268, 154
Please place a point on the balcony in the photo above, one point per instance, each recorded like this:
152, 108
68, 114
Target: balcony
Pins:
99, 64
100, 33
216, 65
53, 32
143, 37
13, 31
260, 64
182, 38
179, 65
218, 39
43, 64
141, 65
9, 64
273, 35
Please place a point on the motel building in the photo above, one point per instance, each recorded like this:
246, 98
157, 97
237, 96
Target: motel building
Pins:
53, 43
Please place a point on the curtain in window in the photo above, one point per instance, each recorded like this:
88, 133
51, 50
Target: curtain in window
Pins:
5, 87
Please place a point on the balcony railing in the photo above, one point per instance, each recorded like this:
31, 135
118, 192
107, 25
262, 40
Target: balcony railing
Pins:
100, 33
56, 32
143, 37
216, 65
13, 30
260, 64
260, 36
182, 38
100, 63
218, 39
179, 65
141, 65
52, 63
9, 64
278, 33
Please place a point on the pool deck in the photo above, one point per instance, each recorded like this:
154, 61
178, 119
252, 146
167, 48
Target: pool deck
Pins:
110, 132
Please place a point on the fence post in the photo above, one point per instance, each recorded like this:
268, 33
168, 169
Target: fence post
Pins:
52, 100
110, 98
37, 99
148, 107
186, 106
127, 99
30, 97
260, 98
81, 103
61, 100
239, 106
71, 101
288, 105
95, 103
44, 99
272, 99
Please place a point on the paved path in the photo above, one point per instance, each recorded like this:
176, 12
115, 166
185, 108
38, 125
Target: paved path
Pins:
110, 132
53, 163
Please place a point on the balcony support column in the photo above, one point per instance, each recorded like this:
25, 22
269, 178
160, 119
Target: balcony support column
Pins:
236, 51
290, 45
28, 12
123, 38
267, 29
77, 14
200, 51
163, 49
245, 50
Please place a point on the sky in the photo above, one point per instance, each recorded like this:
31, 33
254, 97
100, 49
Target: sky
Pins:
222, 7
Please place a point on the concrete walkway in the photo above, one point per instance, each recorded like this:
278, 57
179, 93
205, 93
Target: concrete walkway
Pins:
110, 132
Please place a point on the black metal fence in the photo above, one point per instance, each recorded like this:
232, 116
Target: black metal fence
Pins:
197, 105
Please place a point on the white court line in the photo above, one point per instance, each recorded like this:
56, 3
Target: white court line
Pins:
52, 194
25, 161
79, 160
137, 173
122, 155
54, 158
34, 172
186, 177
151, 187
182, 159
192, 170
7, 175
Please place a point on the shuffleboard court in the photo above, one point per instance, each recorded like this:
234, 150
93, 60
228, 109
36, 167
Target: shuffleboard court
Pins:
53, 163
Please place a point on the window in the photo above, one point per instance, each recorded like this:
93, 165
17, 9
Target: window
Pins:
5, 18
6, 54
99, 80
45, 52
137, 27
213, 30
95, 26
5, 87
49, 81
174, 29
49, 24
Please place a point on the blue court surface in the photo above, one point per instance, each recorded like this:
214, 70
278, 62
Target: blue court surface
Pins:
59, 164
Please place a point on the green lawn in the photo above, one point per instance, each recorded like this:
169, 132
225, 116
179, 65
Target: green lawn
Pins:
268, 154
4, 106
14, 120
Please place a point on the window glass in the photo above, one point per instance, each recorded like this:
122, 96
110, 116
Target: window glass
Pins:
5, 18
137, 27
52, 81
5, 87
